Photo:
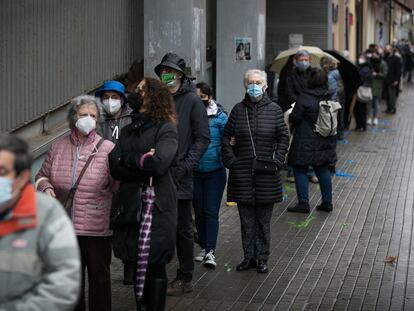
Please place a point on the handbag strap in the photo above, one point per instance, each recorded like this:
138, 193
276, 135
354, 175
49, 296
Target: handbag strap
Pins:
75, 186
250, 132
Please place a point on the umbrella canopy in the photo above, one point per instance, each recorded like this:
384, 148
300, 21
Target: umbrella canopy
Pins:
315, 53
144, 238
349, 72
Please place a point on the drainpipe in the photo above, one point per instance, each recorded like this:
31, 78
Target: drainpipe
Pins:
390, 21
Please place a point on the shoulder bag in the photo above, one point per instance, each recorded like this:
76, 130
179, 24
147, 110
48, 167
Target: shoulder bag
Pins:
69, 199
261, 165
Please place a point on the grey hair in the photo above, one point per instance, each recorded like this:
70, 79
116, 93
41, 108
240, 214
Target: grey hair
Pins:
301, 53
78, 102
259, 72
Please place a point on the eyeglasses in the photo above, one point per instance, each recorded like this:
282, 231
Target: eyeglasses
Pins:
256, 82
4, 171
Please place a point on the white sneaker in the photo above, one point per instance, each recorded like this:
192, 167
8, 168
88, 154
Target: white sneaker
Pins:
200, 255
369, 121
375, 122
210, 260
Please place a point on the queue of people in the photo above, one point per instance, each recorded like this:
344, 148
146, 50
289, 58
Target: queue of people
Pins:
133, 167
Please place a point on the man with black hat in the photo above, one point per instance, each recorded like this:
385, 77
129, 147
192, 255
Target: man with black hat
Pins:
193, 140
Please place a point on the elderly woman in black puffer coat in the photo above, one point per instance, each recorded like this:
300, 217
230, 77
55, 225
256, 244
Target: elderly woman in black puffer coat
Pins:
309, 148
255, 129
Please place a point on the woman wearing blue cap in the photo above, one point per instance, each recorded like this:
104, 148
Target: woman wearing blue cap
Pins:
116, 116
117, 112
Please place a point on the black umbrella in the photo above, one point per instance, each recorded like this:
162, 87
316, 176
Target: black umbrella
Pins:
348, 71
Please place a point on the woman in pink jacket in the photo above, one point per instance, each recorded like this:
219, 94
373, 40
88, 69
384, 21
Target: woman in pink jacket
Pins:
91, 205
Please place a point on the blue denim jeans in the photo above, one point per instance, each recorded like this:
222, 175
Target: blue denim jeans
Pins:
372, 108
302, 186
208, 192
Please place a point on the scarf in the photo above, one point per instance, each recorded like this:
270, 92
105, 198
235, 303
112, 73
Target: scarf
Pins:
23, 216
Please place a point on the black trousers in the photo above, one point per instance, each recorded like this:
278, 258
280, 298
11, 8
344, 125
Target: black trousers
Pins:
255, 230
390, 97
185, 241
96, 255
360, 113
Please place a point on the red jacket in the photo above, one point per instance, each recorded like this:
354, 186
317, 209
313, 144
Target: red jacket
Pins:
60, 170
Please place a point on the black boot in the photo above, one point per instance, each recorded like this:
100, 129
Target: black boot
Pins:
325, 206
155, 297
129, 272
300, 208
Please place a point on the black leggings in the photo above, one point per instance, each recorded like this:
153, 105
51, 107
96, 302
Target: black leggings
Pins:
360, 113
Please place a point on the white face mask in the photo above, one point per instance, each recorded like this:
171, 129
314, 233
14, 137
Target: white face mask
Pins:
86, 124
112, 106
6, 191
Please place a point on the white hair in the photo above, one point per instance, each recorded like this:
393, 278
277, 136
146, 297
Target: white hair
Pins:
78, 102
251, 72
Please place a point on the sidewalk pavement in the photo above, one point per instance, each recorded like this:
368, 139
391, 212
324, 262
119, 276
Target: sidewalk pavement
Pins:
323, 261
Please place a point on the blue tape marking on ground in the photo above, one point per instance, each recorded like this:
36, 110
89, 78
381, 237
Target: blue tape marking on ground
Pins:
345, 175
343, 142
385, 122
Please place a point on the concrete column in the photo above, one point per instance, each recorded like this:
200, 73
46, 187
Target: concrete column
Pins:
238, 20
177, 26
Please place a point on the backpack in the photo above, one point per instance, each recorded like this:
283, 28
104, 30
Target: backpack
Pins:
327, 121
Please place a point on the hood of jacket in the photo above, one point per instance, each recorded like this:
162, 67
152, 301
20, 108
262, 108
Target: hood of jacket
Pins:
126, 111
186, 87
322, 93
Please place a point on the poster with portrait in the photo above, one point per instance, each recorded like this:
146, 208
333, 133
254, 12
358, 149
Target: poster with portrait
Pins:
243, 48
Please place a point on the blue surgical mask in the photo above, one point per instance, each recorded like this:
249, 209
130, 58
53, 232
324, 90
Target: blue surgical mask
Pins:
6, 191
254, 90
302, 65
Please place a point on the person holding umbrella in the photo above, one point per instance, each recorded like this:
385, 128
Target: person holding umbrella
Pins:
145, 227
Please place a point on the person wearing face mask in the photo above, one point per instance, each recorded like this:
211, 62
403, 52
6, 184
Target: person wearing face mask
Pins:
193, 140
146, 150
116, 111
296, 83
39, 255
360, 108
255, 130
117, 115
391, 82
209, 180
379, 72
63, 169
297, 79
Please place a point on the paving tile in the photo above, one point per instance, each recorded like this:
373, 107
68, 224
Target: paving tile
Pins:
337, 262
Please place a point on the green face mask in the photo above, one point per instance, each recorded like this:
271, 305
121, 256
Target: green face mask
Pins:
168, 78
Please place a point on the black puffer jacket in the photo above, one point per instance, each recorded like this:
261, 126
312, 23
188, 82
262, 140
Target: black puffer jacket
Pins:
296, 83
193, 137
269, 134
308, 147
138, 138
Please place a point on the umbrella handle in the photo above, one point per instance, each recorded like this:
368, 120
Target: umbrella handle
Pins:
150, 182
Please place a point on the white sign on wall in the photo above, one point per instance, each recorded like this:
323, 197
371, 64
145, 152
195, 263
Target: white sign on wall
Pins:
295, 40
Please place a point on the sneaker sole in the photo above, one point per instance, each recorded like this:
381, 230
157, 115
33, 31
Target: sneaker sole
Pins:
197, 259
209, 264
